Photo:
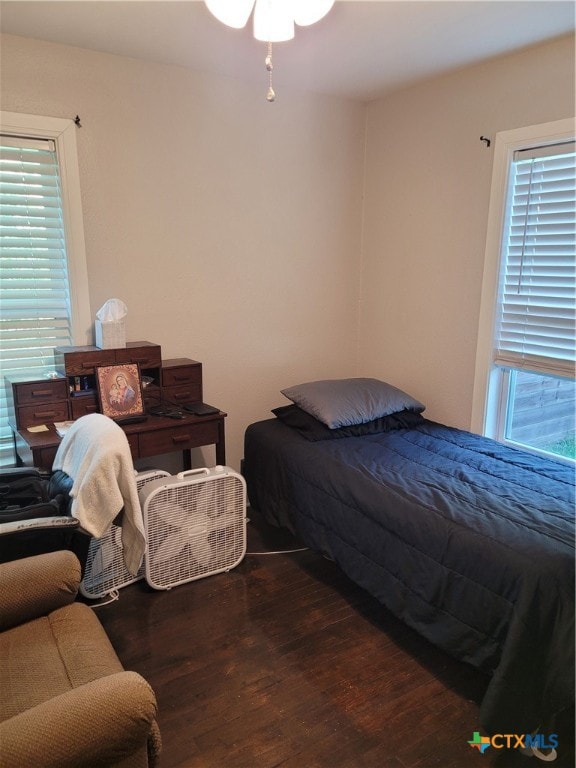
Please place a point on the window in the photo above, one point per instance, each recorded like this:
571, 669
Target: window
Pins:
43, 285
525, 392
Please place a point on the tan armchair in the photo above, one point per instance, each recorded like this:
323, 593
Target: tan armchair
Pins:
65, 700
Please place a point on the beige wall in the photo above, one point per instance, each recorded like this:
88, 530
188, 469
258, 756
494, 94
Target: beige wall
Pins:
232, 228
426, 210
229, 226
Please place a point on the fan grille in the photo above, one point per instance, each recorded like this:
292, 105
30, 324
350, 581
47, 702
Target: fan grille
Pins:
195, 529
105, 570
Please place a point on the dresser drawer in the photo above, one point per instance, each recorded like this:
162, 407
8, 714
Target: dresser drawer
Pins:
180, 395
146, 356
174, 375
80, 406
178, 438
43, 413
34, 392
84, 362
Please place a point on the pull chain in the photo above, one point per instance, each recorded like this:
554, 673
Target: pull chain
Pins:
270, 96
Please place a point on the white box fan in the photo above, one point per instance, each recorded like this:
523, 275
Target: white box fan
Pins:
105, 571
195, 525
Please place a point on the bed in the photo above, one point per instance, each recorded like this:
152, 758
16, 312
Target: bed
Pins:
468, 541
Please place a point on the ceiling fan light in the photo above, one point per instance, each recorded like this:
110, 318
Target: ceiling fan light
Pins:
310, 11
273, 21
233, 13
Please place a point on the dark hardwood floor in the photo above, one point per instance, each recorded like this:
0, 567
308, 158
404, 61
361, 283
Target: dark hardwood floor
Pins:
284, 662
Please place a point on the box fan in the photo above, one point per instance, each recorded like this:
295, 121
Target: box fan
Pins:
105, 571
195, 525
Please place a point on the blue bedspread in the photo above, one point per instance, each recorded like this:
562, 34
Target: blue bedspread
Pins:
468, 541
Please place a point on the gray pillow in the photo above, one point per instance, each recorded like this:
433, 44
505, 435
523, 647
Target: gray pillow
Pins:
345, 402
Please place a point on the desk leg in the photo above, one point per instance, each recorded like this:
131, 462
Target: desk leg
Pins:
221, 444
19, 462
187, 459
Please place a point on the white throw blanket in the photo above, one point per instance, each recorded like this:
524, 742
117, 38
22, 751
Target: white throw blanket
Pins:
95, 453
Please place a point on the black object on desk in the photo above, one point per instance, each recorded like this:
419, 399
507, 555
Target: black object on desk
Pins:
201, 409
131, 420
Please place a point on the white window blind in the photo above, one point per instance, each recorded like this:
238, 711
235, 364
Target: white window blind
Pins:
536, 323
35, 314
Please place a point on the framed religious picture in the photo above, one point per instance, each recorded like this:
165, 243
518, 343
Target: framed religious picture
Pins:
120, 390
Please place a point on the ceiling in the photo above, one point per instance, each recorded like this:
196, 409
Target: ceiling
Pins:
362, 50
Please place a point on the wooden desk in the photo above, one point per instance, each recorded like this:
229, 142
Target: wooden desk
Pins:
155, 436
33, 402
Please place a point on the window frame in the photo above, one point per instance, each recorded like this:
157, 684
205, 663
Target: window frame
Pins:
63, 132
490, 396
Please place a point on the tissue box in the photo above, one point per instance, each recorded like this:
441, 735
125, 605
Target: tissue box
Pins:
110, 335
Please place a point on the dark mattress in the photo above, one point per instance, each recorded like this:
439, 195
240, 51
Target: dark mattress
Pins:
468, 541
